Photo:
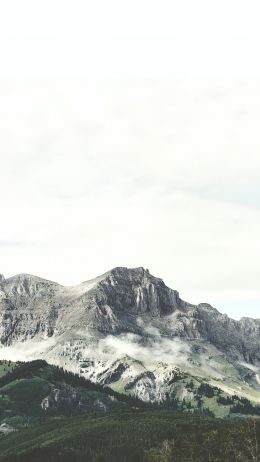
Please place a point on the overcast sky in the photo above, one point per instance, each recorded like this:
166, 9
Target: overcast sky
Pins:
129, 136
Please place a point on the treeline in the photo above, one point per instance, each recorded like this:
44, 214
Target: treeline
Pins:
244, 406
22, 371
238, 405
57, 374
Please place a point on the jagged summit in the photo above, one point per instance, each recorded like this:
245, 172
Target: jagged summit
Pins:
125, 270
137, 272
136, 291
121, 272
137, 275
2, 278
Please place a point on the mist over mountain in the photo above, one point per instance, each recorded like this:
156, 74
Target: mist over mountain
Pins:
128, 330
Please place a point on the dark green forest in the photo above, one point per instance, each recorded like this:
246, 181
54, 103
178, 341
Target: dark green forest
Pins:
135, 436
118, 428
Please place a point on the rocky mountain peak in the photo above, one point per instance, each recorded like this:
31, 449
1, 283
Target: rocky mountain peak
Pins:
121, 300
136, 291
128, 313
2, 278
30, 278
133, 274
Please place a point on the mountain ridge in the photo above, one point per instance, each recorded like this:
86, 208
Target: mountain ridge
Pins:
89, 328
24, 276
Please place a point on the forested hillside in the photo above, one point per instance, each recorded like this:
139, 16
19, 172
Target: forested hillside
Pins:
136, 436
50, 415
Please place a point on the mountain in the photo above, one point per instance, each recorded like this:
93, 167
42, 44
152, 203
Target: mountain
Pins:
128, 330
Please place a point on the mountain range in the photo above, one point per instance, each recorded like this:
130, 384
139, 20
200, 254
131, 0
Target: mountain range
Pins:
128, 330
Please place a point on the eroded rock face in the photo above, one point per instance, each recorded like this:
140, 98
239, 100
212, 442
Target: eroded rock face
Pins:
33, 307
136, 291
67, 399
27, 308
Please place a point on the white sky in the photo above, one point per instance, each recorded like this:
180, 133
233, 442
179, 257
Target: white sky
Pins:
129, 136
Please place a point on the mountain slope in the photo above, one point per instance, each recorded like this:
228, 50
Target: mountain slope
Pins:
35, 392
127, 329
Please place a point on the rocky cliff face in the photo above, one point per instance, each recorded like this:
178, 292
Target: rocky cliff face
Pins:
137, 292
125, 313
33, 307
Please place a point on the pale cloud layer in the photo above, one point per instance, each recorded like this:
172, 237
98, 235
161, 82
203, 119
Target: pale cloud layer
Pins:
114, 153
141, 38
